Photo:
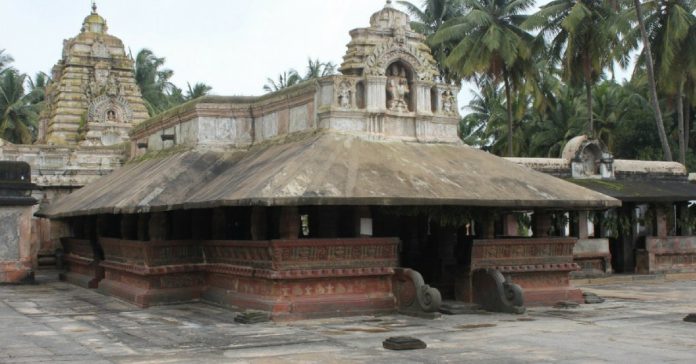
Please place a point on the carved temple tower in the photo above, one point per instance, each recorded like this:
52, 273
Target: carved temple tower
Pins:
93, 99
91, 104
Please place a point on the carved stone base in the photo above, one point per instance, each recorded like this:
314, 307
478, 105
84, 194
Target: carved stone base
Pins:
667, 255
16, 272
546, 288
82, 272
145, 290
292, 299
592, 266
288, 279
82, 263
540, 266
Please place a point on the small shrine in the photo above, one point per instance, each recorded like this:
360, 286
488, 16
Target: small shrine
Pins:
347, 195
652, 231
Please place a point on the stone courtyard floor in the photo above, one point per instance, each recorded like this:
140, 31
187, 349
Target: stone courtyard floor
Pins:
51, 321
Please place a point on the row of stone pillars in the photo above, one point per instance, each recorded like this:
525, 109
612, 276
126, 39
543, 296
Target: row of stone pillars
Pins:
255, 223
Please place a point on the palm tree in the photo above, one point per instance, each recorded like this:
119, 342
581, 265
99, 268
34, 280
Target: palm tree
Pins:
489, 40
667, 31
153, 81
429, 20
648, 55
318, 69
198, 90
5, 60
285, 80
583, 41
17, 114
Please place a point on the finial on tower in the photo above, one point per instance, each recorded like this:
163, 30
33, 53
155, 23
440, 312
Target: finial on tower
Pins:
94, 6
389, 4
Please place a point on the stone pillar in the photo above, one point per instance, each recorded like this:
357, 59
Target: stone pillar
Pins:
143, 227
259, 223
158, 226
219, 223
509, 225
447, 243
581, 230
363, 221
487, 227
376, 93
422, 88
686, 229
661, 225
289, 224
129, 227
541, 223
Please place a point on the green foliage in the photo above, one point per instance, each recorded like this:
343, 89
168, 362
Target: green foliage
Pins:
427, 22
158, 92
315, 69
19, 109
453, 216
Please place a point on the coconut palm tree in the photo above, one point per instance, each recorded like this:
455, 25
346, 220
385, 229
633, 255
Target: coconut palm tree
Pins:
5, 60
428, 21
285, 80
198, 90
583, 40
666, 30
489, 40
17, 113
318, 69
153, 81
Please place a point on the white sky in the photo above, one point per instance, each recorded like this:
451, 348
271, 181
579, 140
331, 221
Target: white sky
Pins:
232, 45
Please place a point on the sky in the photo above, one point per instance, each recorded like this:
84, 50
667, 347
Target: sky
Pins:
231, 45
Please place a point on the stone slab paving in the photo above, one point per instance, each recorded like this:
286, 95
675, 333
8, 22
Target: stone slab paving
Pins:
52, 321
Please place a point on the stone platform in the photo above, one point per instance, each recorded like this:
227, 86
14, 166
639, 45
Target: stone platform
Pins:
53, 321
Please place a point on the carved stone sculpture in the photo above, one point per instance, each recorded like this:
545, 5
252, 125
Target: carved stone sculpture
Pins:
397, 89
495, 293
448, 102
344, 95
413, 295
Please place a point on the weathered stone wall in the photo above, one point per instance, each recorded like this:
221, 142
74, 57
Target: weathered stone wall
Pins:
17, 253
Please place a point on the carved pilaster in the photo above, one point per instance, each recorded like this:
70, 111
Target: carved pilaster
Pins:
289, 224
376, 93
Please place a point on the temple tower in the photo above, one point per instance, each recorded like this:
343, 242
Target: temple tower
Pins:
93, 99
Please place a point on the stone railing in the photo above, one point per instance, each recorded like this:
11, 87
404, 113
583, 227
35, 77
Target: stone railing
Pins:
151, 253
593, 257
334, 253
518, 255
674, 254
540, 266
78, 247
269, 255
254, 254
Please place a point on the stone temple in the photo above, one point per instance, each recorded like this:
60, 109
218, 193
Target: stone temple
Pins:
92, 104
349, 194
93, 99
339, 196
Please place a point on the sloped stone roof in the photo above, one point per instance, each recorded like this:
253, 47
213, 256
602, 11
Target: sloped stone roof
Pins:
325, 168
